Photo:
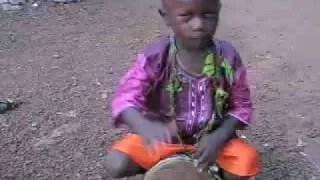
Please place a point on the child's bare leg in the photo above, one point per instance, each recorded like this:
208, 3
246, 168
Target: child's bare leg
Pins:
119, 165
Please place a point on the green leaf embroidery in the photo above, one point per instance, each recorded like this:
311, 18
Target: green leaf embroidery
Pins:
209, 68
228, 71
212, 68
174, 87
209, 59
208, 71
173, 50
170, 88
221, 97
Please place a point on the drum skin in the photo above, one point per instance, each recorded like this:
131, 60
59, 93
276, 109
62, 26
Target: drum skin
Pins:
176, 168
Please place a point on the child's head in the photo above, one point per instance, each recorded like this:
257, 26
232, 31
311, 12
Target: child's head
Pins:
194, 22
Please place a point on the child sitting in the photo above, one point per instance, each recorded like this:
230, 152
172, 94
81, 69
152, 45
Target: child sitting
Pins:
185, 90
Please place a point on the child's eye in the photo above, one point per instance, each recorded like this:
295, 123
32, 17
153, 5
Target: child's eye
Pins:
210, 15
184, 17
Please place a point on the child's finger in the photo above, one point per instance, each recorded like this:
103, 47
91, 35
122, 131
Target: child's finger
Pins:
168, 138
203, 160
204, 157
153, 149
198, 153
172, 126
147, 141
203, 167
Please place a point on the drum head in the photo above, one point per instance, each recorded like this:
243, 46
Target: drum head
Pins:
174, 168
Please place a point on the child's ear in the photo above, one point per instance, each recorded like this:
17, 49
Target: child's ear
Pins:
164, 16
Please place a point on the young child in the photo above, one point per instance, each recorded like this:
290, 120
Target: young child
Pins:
185, 90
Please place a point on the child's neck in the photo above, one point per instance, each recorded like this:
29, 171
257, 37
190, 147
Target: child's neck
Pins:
192, 60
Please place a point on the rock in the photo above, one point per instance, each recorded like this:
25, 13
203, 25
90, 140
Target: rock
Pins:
303, 154
104, 96
98, 83
17, 2
7, 105
266, 145
57, 56
71, 113
66, 1
243, 136
35, 4
34, 124
10, 7
301, 143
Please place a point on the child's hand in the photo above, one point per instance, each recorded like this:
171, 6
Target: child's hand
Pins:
151, 127
211, 144
208, 150
157, 129
155, 132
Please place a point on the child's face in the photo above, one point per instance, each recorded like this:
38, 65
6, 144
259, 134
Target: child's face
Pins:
194, 22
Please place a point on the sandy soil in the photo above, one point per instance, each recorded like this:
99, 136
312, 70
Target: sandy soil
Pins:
65, 61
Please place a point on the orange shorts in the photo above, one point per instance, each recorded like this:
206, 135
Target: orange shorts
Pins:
236, 157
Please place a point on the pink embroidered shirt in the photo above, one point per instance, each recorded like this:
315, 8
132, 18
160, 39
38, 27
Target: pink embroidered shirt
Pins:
194, 106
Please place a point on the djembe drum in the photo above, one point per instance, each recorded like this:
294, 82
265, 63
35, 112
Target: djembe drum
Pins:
178, 167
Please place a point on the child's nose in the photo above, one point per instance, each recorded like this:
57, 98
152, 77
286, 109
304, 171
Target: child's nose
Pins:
197, 24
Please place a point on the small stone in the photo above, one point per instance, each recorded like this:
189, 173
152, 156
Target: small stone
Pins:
71, 113
66, 1
34, 124
36, 4
301, 143
243, 136
12, 38
9, 7
17, 2
104, 96
303, 154
314, 133
8, 105
57, 56
266, 145
98, 83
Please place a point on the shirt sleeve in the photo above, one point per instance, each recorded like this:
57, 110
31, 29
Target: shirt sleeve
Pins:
240, 99
132, 89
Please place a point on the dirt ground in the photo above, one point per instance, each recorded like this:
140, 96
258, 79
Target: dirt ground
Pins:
65, 61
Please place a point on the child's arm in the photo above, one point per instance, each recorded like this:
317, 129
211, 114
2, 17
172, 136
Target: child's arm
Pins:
240, 114
240, 97
132, 90
130, 100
